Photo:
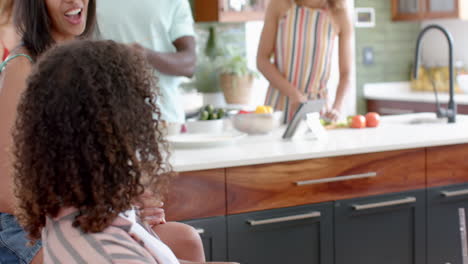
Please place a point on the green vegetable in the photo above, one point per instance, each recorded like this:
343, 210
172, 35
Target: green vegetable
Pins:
342, 124
204, 115
208, 112
213, 116
209, 108
221, 113
325, 122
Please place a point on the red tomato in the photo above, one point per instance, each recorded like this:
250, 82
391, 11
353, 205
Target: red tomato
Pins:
358, 121
372, 119
245, 112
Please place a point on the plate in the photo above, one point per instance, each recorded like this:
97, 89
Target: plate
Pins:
204, 140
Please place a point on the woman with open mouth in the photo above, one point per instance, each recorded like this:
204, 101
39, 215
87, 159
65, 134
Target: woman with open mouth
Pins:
41, 24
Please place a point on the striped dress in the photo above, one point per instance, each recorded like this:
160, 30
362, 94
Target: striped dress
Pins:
64, 243
303, 51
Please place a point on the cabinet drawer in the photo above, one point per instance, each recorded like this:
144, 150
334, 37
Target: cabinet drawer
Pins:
196, 194
302, 234
213, 235
383, 229
447, 165
278, 185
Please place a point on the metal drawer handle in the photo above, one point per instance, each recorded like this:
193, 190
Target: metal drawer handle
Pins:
283, 219
337, 179
200, 231
406, 200
454, 193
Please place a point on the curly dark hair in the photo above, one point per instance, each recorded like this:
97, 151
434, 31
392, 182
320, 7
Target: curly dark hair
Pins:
87, 136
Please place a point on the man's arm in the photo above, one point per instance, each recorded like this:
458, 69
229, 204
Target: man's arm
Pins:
179, 63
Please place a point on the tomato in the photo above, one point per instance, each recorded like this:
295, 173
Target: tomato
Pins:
245, 112
372, 119
358, 121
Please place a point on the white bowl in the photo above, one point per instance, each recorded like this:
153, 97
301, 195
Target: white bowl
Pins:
252, 123
205, 126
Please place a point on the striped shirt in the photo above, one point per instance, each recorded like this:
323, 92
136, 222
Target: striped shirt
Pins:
303, 50
64, 243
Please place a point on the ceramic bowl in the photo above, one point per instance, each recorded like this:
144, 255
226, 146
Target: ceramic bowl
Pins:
205, 126
252, 123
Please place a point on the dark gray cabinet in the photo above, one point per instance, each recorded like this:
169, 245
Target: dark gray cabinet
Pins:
415, 227
302, 234
443, 234
387, 229
213, 235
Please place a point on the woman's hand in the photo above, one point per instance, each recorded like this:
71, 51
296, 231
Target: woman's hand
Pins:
152, 211
332, 114
296, 100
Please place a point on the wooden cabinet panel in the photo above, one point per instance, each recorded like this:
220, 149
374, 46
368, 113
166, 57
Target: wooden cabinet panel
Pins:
269, 186
218, 10
428, 9
302, 234
447, 165
442, 8
407, 9
197, 194
384, 229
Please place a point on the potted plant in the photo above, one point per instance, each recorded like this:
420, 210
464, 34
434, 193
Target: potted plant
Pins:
236, 79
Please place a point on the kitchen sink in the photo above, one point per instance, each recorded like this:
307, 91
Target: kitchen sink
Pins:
420, 119
427, 120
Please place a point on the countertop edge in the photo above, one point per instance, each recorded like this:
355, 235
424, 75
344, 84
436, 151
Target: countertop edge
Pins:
298, 157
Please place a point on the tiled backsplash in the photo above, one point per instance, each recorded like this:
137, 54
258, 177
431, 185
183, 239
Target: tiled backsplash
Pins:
228, 35
393, 44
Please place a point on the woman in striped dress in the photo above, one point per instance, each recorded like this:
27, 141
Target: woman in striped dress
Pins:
299, 35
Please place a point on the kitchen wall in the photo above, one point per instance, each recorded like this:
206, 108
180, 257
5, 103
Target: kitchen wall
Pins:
228, 34
436, 53
393, 45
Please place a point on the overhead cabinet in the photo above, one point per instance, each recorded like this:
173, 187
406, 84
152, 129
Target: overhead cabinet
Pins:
429, 9
229, 10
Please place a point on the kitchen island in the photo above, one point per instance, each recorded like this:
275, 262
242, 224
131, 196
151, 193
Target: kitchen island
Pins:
381, 195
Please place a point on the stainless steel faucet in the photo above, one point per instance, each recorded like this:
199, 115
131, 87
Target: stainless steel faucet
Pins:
451, 111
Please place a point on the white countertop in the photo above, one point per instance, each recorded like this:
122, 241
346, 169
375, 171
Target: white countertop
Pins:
401, 91
394, 133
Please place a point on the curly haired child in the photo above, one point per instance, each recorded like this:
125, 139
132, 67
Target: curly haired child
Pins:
88, 143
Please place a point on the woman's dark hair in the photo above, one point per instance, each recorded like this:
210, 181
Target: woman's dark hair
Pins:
34, 25
87, 136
